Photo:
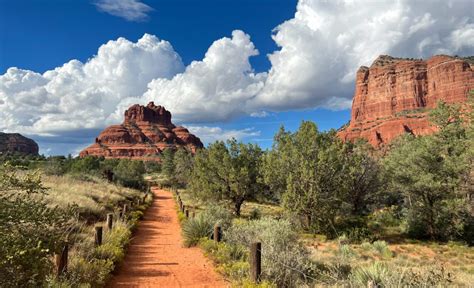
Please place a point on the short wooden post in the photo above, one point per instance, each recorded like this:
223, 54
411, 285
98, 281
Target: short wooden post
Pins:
186, 212
110, 219
144, 197
98, 235
194, 214
217, 233
124, 210
183, 207
61, 260
255, 261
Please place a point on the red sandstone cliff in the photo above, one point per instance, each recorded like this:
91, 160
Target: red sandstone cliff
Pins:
393, 96
144, 134
16, 143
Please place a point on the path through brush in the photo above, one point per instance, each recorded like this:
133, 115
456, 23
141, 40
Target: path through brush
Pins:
156, 256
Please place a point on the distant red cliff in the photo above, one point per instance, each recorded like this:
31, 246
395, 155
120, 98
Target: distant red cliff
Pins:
144, 134
393, 96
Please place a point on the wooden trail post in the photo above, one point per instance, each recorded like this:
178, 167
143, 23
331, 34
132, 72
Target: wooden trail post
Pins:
186, 212
98, 235
110, 219
217, 233
124, 210
255, 261
183, 207
144, 197
194, 214
61, 260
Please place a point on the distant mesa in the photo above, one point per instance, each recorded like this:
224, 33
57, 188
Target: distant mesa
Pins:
12, 143
144, 134
394, 95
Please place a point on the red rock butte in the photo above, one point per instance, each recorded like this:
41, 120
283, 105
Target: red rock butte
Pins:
394, 96
145, 132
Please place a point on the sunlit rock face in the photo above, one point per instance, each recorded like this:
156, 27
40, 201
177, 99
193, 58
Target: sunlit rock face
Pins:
393, 96
145, 132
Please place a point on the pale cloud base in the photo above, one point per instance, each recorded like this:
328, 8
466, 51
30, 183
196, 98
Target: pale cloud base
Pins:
130, 10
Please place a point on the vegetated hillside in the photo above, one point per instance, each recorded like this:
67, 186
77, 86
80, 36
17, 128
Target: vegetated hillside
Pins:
145, 133
394, 95
11, 143
60, 201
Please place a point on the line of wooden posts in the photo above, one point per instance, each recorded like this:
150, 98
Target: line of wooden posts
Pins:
61, 258
255, 258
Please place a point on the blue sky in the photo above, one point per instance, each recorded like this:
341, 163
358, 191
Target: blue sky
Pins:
308, 52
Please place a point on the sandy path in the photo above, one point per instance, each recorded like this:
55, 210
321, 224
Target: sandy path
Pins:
156, 256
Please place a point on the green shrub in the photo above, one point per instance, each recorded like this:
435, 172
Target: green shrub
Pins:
345, 251
285, 261
255, 214
196, 228
382, 248
129, 173
30, 230
378, 273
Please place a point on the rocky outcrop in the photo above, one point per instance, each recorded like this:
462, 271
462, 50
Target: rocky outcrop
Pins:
393, 96
145, 132
16, 143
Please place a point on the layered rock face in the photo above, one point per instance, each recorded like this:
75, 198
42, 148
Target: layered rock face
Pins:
16, 143
394, 96
144, 134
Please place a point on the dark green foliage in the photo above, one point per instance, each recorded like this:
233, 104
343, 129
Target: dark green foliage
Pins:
129, 173
183, 166
167, 162
88, 164
321, 179
433, 173
227, 173
30, 230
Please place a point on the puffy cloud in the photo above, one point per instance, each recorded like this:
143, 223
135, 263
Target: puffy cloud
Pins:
216, 88
131, 10
83, 96
320, 51
326, 41
211, 134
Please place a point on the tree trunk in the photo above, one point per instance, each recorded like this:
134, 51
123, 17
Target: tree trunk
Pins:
237, 205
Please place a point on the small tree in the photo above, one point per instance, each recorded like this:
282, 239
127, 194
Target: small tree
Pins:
429, 172
129, 173
227, 173
183, 162
167, 160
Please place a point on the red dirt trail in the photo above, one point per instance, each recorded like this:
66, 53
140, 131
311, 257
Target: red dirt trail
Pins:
156, 256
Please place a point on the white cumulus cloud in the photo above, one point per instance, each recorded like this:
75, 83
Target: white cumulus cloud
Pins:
131, 10
209, 134
326, 41
216, 88
84, 95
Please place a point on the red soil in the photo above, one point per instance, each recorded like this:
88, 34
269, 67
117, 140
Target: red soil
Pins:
156, 256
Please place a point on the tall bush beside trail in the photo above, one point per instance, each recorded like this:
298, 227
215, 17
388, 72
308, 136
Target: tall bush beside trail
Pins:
167, 164
322, 180
285, 261
88, 165
129, 173
30, 231
183, 166
227, 172
432, 173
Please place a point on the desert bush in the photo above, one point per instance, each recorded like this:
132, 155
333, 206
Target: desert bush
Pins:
382, 248
129, 173
285, 261
378, 273
202, 226
30, 230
